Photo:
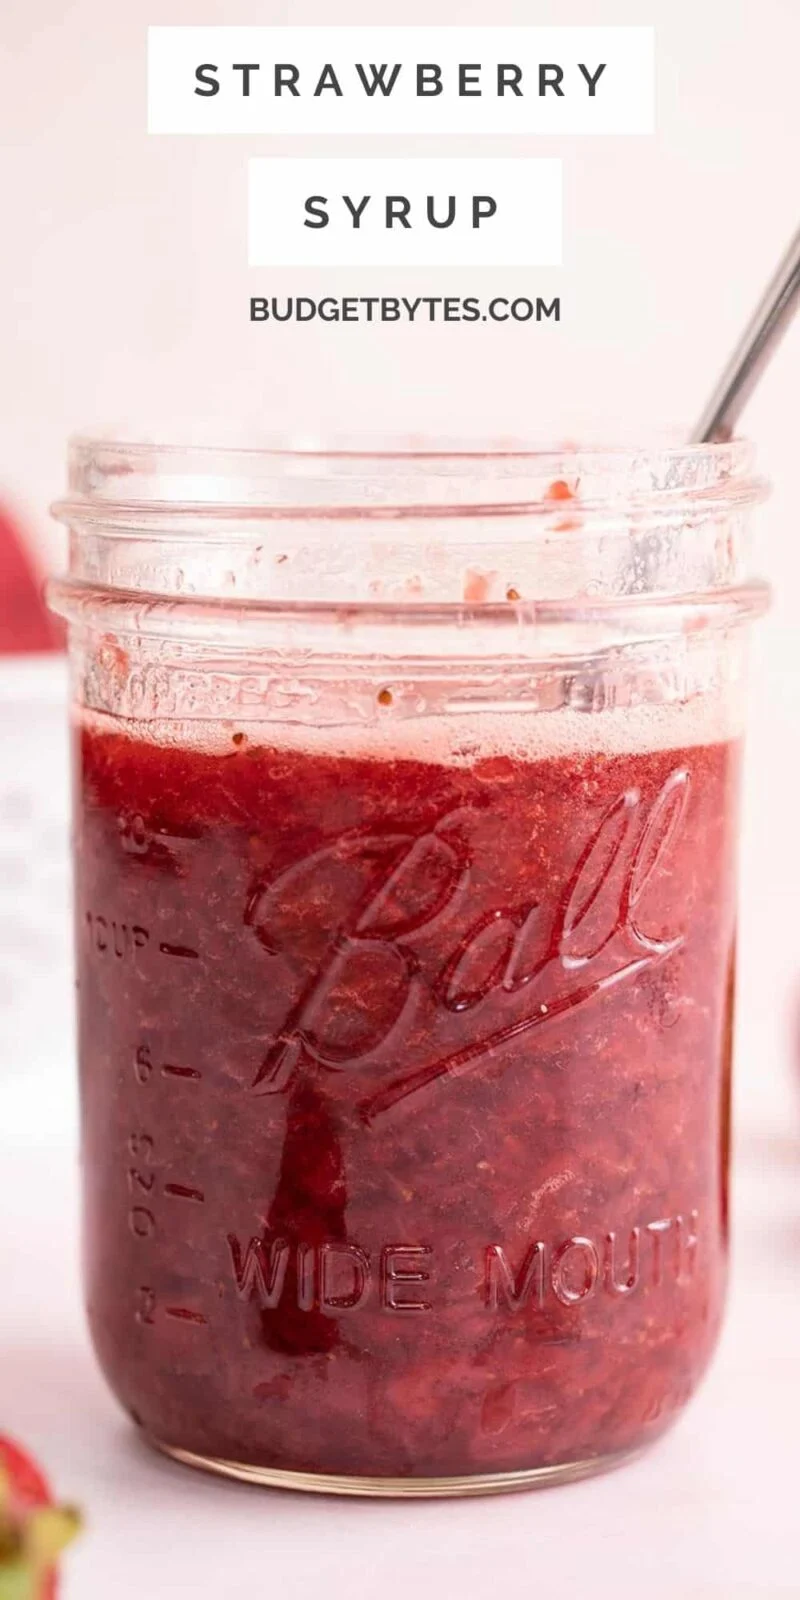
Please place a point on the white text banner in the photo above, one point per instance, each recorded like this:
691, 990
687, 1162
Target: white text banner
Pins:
348, 80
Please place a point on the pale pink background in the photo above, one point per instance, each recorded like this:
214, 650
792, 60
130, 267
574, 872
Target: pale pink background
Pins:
124, 291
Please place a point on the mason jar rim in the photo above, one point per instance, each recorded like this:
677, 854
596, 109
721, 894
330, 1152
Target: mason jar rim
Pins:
128, 483
400, 446
241, 540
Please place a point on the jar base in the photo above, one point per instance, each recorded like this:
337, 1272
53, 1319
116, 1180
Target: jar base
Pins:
397, 1488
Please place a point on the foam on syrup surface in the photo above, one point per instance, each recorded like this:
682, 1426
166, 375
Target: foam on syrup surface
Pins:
453, 738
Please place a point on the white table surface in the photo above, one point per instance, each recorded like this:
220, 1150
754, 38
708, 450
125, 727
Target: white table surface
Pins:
711, 1511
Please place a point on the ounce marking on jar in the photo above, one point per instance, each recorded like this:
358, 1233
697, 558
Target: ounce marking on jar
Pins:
141, 1222
393, 887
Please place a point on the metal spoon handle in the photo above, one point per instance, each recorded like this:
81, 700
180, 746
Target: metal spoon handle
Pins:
759, 342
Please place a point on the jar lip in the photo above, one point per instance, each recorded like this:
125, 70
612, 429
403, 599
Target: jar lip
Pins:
404, 447
372, 478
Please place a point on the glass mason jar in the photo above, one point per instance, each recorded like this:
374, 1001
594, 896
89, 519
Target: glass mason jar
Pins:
406, 815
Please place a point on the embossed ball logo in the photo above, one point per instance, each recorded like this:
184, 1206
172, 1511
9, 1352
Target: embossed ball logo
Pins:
353, 916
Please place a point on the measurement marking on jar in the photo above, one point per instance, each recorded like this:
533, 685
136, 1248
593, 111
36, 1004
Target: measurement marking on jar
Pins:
140, 1180
183, 1314
182, 1191
137, 837
147, 1310
141, 1219
183, 951
141, 1145
143, 1066
146, 1305
107, 936
141, 1222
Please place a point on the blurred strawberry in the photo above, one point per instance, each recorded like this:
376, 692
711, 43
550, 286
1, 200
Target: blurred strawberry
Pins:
33, 1531
25, 625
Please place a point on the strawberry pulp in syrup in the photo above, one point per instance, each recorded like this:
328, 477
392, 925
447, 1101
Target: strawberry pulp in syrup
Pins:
405, 1090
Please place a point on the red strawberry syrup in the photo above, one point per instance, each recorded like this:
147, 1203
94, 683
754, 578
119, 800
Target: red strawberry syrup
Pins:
402, 1091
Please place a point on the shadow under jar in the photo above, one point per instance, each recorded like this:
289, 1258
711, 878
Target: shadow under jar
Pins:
406, 816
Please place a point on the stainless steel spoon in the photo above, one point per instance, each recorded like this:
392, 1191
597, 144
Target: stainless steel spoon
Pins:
755, 349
